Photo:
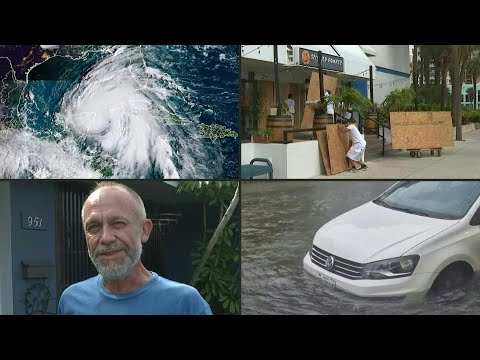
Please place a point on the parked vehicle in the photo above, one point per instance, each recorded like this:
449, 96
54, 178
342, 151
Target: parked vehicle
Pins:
415, 236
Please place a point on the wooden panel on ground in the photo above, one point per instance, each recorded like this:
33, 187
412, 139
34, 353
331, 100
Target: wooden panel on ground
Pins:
313, 95
323, 146
421, 130
337, 148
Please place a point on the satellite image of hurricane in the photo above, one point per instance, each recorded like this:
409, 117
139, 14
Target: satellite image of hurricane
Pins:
118, 111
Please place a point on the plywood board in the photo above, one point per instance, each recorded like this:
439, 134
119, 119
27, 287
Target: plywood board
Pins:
330, 84
337, 148
421, 130
323, 146
295, 91
284, 91
313, 95
267, 90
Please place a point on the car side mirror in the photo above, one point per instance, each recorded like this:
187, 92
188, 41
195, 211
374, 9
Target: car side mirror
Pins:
475, 220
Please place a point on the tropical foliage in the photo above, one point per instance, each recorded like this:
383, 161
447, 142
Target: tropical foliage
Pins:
350, 99
219, 279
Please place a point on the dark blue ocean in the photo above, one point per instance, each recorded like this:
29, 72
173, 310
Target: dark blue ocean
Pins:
168, 111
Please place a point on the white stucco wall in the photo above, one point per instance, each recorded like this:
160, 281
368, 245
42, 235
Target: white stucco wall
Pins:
394, 57
385, 83
6, 287
298, 160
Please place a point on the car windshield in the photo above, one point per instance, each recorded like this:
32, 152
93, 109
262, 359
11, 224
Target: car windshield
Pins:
438, 199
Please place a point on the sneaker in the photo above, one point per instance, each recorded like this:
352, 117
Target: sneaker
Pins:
364, 167
353, 169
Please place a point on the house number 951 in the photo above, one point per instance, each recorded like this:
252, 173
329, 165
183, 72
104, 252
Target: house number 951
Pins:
32, 222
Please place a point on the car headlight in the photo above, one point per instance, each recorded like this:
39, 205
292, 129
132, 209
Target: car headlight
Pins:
391, 268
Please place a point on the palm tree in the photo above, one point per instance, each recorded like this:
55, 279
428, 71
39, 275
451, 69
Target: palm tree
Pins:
415, 75
456, 91
446, 62
473, 67
437, 52
426, 55
470, 95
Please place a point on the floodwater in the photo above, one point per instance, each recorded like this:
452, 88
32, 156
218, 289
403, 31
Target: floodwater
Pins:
279, 221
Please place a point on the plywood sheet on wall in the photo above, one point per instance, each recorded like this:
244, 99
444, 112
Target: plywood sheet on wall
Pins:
330, 84
267, 90
284, 91
421, 130
337, 148
323, 146
295, 91
313, 95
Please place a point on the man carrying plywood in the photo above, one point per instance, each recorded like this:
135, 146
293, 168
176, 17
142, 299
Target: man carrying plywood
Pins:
357, 150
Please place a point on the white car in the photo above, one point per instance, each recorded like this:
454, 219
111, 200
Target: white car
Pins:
415, 236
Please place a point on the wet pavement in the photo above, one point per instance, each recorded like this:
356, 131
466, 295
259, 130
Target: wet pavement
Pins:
459, 161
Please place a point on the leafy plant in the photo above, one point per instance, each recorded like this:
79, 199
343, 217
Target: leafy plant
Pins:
470, 116
257, 104
404, 100
268, 132
219, 279
350, 99
283, 109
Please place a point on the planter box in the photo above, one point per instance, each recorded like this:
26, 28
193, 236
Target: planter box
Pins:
260, 139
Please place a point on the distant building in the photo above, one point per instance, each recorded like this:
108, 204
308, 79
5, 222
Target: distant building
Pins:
392, 64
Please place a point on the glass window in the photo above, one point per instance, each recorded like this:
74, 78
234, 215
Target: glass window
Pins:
438, 199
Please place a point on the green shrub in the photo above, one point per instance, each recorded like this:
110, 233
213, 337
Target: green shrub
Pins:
264, 132
470, 116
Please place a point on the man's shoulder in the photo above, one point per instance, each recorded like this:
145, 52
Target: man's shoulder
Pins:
186, 299
164, 284
81, 286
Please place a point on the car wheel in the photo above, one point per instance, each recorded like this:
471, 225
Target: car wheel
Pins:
453, 276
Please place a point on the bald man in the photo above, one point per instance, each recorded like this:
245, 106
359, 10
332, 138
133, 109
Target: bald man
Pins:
115, 226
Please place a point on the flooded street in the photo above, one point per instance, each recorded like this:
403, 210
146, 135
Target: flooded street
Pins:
279, 221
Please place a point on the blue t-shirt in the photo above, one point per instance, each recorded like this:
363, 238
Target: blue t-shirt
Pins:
159, 296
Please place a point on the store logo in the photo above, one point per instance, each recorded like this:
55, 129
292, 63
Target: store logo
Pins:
305, 57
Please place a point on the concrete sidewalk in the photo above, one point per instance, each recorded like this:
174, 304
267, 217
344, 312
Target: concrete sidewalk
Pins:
461, 161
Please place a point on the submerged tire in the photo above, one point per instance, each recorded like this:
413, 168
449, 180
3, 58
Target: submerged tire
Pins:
453, 276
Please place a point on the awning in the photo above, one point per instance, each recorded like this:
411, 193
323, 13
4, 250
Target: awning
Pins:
356, 62
367, 49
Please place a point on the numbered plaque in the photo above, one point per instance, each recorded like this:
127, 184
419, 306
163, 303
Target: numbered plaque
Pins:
33, 221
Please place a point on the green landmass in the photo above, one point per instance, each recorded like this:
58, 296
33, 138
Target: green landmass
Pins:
216, 131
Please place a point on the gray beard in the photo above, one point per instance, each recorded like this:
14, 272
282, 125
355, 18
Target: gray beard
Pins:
113, 270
